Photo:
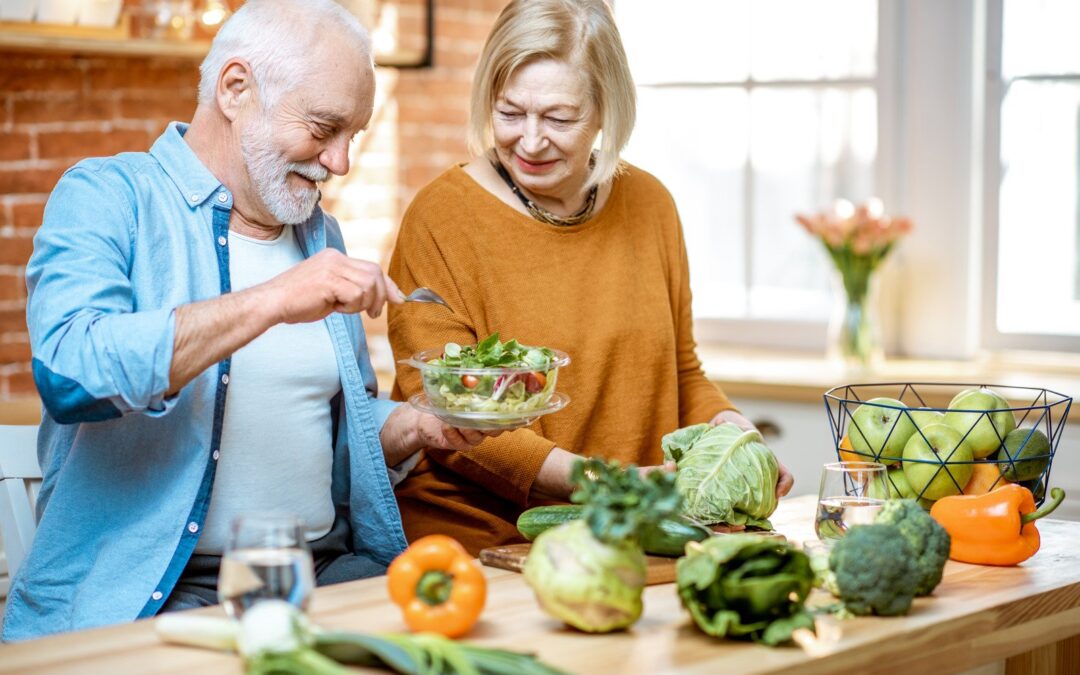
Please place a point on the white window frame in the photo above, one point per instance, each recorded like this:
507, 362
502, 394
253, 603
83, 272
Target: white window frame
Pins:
995, 89
939, 104
800, 334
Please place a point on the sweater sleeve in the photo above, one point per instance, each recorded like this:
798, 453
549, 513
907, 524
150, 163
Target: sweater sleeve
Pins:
699, 399
508, 464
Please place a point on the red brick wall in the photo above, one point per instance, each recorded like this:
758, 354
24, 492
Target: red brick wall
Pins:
57, 109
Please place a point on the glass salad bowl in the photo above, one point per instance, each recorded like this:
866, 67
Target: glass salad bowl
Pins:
493, 385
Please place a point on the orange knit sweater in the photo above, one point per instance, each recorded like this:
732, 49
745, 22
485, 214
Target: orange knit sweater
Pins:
613, 292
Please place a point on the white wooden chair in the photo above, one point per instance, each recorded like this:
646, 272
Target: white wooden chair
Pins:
20, 479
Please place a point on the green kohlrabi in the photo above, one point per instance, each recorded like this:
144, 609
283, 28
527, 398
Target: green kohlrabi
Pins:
725, 474
590, 572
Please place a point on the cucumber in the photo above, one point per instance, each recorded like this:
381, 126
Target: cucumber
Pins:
534, 521
669, 537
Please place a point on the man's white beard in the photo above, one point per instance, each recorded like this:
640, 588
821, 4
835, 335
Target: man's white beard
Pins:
269, 172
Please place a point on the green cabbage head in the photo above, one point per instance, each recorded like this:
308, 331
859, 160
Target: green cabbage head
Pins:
725, 474
592, 586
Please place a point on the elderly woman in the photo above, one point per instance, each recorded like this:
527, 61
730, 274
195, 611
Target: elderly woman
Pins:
545, 240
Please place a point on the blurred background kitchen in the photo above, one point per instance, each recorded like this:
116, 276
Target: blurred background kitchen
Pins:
962, 115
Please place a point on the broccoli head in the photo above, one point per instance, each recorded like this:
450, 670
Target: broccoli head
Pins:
875, 569
928, 540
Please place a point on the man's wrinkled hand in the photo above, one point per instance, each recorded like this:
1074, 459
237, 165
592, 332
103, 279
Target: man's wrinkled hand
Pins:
329, 281
434, 433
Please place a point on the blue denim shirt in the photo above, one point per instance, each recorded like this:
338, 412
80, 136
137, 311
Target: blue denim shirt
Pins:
127, 471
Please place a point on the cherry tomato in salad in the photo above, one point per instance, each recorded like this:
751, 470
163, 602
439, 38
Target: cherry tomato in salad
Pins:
535, 382
469, 381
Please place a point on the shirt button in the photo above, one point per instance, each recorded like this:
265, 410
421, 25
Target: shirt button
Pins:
217, 454
193, 527
222, 241
156, 595
225, 378
193, 197
223, 197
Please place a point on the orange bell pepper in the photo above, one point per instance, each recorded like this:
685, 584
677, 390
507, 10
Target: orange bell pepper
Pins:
439, 587
995, 528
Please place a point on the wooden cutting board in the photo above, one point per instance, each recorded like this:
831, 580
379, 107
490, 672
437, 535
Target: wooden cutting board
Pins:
660, 570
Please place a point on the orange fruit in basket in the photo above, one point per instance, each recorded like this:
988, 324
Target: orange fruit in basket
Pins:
985, 476
848, 454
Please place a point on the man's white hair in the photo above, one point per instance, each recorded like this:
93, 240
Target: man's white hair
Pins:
276, 38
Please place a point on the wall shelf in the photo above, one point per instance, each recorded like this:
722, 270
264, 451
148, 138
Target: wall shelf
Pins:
51, 39
118, 41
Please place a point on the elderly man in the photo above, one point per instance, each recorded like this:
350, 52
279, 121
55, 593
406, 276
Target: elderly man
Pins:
197, 344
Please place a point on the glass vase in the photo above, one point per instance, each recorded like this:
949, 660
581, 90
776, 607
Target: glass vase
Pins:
854, 336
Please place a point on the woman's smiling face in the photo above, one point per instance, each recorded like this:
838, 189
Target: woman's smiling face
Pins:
545, 124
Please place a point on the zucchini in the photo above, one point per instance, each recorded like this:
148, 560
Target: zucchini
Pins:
668, 537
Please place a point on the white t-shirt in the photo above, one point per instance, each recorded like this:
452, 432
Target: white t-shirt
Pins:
276, 445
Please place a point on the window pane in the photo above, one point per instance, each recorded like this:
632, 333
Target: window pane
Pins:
825, 39
808, 147
1038, 284
1040, 37
694, 140
686, 40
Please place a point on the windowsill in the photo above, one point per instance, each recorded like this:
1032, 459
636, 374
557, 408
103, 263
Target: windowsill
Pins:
803, 377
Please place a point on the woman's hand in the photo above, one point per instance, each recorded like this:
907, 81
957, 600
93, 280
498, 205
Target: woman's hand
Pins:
784, 480
734, 418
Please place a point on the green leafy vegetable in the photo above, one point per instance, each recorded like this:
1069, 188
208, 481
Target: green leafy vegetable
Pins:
726, 475
745, 586
590, 572
620, 504
490, 353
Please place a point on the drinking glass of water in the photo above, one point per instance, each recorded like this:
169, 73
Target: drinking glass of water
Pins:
266, 557
849, 495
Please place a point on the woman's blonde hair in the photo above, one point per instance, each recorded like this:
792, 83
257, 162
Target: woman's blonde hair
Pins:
581, 33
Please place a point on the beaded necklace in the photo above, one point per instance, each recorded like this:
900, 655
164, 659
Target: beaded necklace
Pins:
540, 213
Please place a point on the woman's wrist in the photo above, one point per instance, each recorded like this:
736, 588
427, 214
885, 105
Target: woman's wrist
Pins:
553, 481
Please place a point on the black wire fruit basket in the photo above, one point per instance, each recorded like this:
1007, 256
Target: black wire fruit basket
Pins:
942, 439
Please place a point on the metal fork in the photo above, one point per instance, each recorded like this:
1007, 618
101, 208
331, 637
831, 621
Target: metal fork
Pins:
423, 294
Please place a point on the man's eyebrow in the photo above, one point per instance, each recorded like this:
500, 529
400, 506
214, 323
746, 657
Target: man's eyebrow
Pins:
330, 117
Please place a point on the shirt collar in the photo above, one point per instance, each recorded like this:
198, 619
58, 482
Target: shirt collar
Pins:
187, 172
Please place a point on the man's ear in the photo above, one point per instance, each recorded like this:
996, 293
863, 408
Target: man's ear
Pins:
235, 87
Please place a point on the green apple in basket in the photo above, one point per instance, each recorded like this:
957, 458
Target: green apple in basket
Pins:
934, 462
880, 428
985, 430
924, 417
893, 486
1026, 444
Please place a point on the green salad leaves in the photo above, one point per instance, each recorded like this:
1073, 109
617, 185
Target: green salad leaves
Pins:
470, 378
726, 475
491, 353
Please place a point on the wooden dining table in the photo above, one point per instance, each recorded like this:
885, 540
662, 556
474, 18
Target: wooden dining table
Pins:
1027, 616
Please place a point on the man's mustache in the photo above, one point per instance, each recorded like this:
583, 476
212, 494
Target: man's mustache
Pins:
311, 170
